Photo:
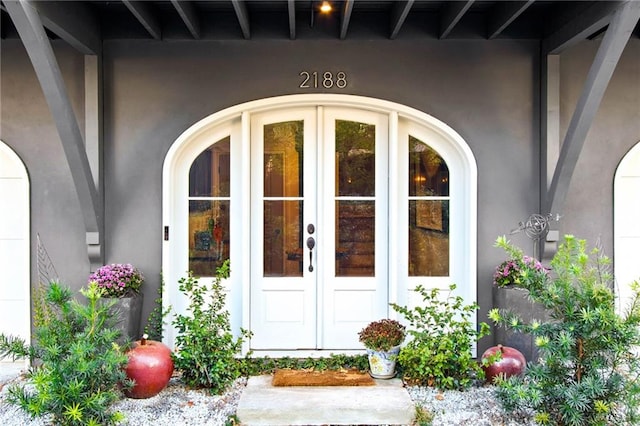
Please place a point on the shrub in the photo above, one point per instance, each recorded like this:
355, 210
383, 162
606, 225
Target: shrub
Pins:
588, 373
206, 347
443, 334
156, 319
266, 365
81, 368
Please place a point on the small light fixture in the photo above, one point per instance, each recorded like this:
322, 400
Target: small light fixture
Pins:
325, 7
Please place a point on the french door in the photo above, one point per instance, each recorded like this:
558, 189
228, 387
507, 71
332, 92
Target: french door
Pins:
319, 226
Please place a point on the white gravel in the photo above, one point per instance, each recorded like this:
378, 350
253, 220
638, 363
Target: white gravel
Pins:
177, 406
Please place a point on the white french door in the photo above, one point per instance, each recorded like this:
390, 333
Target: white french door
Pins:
319, 249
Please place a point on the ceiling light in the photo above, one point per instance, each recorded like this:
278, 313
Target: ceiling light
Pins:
325, 7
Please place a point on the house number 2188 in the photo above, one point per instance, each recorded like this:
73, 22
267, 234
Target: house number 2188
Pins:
327, 79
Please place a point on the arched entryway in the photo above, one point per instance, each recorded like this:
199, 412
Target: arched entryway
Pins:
328, 206
626, 209
15, 310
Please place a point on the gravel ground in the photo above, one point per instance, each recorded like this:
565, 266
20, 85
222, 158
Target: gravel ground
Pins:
177, 406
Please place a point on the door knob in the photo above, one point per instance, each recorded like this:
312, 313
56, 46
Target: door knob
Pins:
311, 243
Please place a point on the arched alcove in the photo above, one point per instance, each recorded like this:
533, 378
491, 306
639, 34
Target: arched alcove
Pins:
323, 291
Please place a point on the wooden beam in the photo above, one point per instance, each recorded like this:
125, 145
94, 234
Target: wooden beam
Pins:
398, 16
35, 40
615, 39
593, 19
291, 6
505, 13
549, 120
73, 22
451, 14
93, 118
345, 18
145, 16
189, 16
240, 6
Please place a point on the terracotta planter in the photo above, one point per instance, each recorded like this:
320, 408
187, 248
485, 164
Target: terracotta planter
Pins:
516, 300
382, 365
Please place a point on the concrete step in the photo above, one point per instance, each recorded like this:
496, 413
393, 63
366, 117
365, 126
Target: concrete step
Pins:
386, 403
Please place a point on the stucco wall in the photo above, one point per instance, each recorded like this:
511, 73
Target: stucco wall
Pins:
588, 210
486, 90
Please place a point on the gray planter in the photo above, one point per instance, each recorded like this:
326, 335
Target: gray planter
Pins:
127, 312
517, 301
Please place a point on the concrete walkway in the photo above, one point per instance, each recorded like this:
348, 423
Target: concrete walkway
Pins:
386, 403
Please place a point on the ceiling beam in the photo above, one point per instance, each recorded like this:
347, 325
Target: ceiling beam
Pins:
399, 14
240, 6
36, 42
451, 15
73, 22
504, 14
189, 16
615, 39
591, 20
291, 6
143, 13
345, 18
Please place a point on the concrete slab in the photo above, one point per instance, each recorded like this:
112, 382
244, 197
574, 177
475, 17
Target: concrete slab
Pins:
386, 403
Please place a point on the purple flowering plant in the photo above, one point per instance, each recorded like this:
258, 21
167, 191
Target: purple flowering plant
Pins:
519, 270
118, 280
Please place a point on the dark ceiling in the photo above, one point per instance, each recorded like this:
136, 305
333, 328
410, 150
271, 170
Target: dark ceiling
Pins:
293, 19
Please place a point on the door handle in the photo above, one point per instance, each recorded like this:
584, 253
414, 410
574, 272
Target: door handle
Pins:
311, 243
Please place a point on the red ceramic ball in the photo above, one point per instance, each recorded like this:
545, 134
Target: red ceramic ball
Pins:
512, 363
150, 366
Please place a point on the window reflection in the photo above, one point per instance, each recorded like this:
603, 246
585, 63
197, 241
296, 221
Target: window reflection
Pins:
428, 211
282, 190
209, 202
355, 203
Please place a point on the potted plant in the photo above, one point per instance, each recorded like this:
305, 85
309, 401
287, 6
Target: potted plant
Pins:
382, 339
513, 280
121, 282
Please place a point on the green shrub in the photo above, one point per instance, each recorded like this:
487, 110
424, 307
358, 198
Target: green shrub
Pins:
266, 365
81, 368
443, 334
206, 347
588, 372
156, 319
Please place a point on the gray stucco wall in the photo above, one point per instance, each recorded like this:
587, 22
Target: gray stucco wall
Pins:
485, 90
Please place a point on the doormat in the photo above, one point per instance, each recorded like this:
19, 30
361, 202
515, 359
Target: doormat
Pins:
287, 377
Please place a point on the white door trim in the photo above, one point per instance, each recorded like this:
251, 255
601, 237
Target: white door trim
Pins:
15, 237
235, 121
626, 210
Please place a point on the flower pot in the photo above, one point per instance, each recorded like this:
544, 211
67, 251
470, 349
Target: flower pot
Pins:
127, 312
516, 300
382, 365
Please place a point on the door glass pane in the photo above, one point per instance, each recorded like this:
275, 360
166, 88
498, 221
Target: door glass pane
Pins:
209, 175
283, 207
208, 236
428, 211
282, 240
209, 201
283, 171
428, 173
355, 159
355, 238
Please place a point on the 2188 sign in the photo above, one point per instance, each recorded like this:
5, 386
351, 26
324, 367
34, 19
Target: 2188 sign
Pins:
327, 80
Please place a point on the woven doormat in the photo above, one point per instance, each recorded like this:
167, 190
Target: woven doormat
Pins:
286, 377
